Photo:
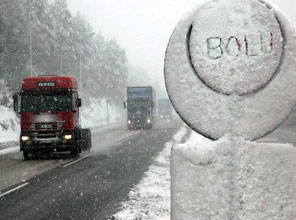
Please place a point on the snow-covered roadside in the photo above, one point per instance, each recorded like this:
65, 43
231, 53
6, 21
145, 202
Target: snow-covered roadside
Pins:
9, 150
150, 199
9, 125
95, 115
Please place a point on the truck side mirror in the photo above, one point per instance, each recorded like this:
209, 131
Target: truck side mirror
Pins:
16, 103
124, 104
79, 103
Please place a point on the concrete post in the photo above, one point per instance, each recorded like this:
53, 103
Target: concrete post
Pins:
233, 179
230, 74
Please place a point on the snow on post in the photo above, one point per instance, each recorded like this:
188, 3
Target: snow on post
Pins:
230, 68
230, 74
232, 179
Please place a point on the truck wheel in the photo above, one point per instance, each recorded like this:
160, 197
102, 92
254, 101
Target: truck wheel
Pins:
130, 127
148, 127
89, 145
28, 155
87, 139
75, 153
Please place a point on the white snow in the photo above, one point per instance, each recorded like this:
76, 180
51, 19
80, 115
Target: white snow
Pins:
213, 113
9, 125
95, 114
233, 179
9, 150
227, 183
230, 73
150, 199
229, 49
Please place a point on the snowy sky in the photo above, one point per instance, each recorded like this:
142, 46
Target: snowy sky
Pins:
143, 27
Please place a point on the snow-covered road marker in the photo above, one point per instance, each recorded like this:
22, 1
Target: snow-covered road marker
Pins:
232, 179
230, 74
230, 68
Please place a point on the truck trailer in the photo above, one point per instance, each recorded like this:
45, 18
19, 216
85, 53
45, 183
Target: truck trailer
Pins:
49, 117
140, 107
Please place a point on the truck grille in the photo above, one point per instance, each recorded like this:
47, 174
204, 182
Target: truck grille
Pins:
138, 116
47, 126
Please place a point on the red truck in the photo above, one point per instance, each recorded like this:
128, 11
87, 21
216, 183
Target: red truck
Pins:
49, 116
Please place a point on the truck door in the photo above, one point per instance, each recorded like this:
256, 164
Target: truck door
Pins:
75, 109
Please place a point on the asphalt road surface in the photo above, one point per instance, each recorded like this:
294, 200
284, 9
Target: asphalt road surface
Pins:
90, 187
13, 168
284, 135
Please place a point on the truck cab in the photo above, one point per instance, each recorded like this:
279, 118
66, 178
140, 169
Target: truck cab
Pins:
49, 116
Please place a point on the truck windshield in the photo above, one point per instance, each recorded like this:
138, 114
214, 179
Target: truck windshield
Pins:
139, 93
138, 106
44, 103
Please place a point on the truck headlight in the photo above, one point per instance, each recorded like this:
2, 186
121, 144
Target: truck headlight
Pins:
25, 138
129, 122
148, 121
68, 136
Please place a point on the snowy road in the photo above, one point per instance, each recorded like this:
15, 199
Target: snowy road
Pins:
15, 170
90, 188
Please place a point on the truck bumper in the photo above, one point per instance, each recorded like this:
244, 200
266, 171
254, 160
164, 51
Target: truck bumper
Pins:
48, 141
139, 124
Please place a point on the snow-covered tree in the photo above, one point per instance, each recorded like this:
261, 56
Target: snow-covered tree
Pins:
46, 35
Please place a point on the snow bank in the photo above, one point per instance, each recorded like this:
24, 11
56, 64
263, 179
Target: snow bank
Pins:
9, 125
233, 179
9, 150
9, 122
95, 114
150, 199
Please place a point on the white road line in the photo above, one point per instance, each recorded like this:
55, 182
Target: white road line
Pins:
75, 161
14, 189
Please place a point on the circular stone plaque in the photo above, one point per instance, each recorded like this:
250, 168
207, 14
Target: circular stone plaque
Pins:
226, 51
229, 68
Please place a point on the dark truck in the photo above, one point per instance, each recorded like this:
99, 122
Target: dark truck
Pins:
140, 107
49, 116
165, 109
